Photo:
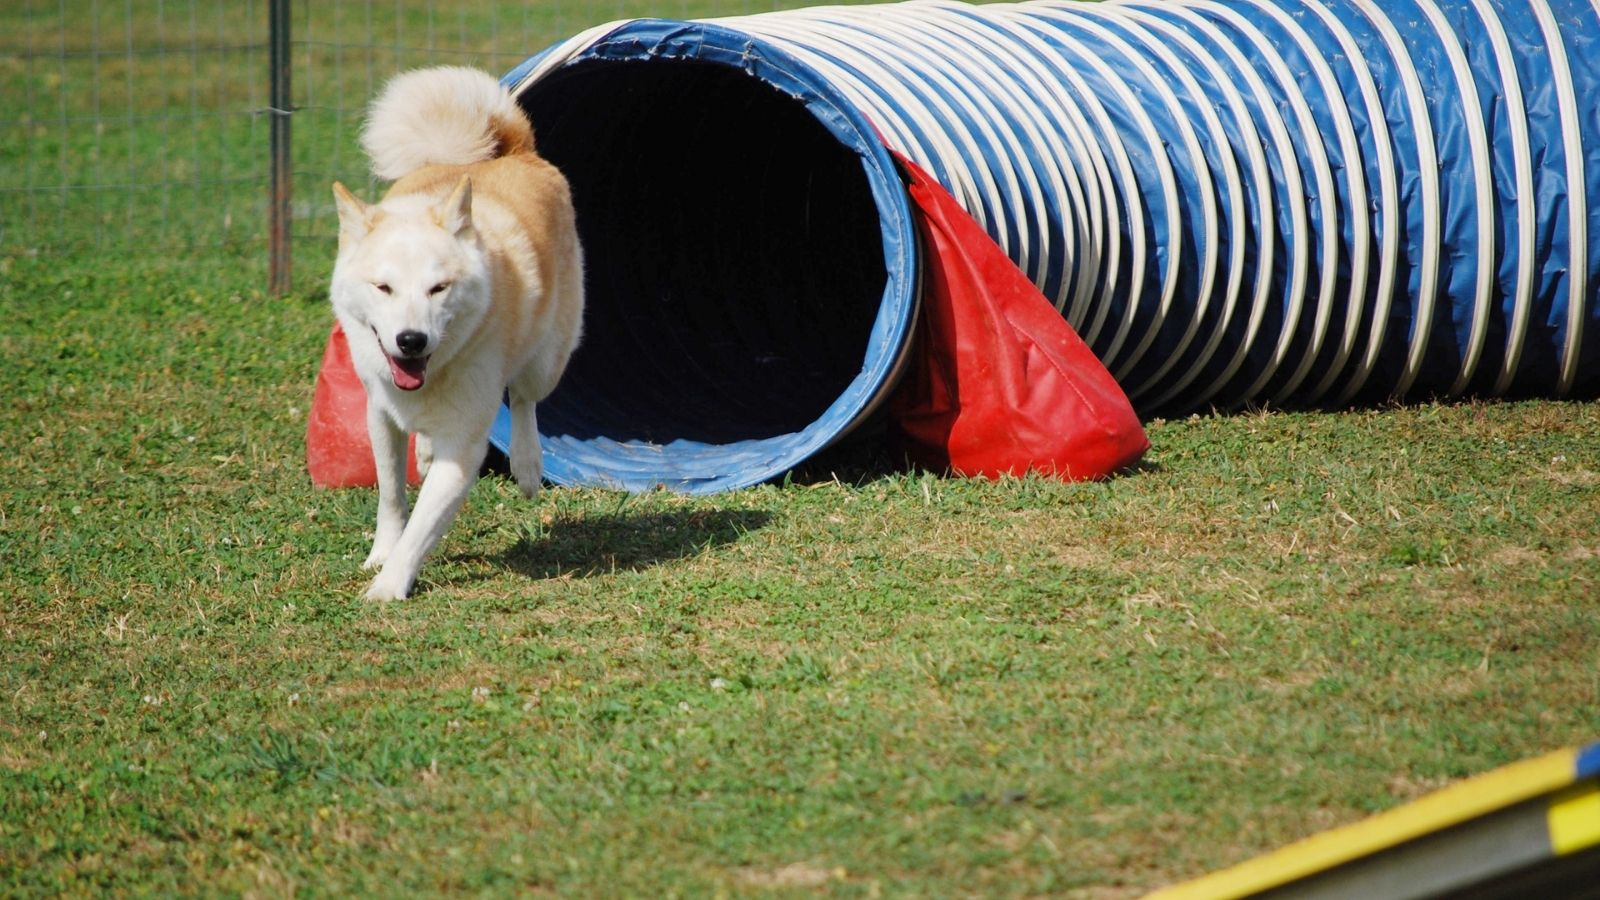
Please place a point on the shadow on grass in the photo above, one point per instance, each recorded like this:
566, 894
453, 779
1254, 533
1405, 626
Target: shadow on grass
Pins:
594, 544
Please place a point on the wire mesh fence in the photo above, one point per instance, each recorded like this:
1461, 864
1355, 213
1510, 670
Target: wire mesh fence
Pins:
130, 125
142, 126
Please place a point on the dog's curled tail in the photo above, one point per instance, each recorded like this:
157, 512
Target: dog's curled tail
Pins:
447, 115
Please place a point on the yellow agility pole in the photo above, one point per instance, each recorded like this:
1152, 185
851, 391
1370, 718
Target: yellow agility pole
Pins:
1530, 829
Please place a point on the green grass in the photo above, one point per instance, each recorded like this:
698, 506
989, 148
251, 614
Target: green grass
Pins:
865, 681
885, 682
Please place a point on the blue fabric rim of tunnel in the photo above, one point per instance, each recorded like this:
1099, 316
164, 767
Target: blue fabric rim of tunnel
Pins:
697, 467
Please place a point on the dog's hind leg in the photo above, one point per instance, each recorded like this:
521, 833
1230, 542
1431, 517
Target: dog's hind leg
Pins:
457, 454
527, 458
389, 453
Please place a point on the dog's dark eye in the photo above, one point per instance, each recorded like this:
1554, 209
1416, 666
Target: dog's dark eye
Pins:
438, 288
383, 288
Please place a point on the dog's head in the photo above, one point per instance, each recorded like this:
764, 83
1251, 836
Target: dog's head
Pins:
410, 271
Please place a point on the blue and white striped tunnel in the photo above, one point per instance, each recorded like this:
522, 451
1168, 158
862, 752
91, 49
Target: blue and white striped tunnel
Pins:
1294, 202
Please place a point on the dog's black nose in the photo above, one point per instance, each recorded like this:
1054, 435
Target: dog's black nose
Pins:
411, 343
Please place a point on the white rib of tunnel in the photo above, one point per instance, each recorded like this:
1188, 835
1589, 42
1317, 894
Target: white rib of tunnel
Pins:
1294, 202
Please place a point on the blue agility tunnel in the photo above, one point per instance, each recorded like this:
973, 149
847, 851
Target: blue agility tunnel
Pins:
1294, 202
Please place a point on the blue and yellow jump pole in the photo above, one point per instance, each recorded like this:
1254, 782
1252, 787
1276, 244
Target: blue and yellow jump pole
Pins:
1528, 830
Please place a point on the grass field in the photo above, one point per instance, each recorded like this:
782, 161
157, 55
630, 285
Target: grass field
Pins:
888, 681
864, 681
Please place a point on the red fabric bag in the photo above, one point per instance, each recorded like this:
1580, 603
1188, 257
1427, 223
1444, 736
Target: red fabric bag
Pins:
338, 450
1000, 383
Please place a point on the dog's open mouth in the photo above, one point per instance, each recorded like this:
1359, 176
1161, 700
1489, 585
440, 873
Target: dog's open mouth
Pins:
408, 372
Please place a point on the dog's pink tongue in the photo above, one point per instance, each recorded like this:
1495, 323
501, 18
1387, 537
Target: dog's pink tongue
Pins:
407, 373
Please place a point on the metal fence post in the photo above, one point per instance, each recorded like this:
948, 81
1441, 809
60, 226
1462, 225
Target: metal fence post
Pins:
281, 110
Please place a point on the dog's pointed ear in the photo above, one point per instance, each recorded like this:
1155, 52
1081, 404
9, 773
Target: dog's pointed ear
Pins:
355, 217
455, 213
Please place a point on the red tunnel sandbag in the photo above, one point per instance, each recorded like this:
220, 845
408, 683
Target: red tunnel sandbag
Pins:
1000, 383
338, 450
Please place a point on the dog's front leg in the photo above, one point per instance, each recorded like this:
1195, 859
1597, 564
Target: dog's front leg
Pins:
454, 471
389, 453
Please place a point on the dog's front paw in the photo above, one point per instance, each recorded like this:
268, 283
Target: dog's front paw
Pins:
383, 589
375, 559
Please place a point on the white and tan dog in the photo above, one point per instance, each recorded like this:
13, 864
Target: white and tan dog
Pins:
465, 282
